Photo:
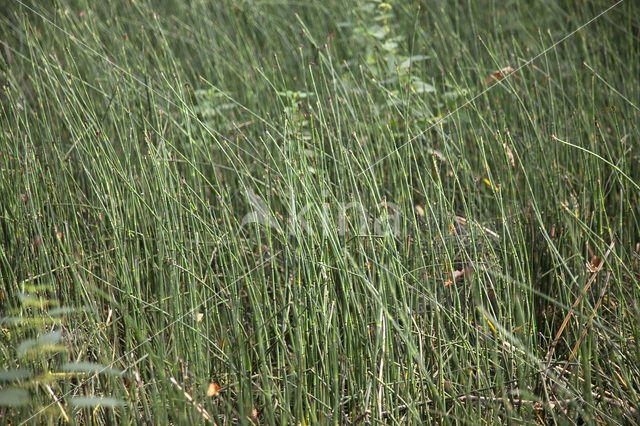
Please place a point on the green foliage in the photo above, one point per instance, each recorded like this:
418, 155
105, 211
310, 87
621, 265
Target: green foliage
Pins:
36, 373
319, 212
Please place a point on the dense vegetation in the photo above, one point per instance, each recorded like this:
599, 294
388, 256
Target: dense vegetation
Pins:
319, 212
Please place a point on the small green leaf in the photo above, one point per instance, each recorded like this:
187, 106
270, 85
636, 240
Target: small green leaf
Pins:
367, 7
18, 374
26, 346
390, 46
6, 321
32, 288
377, 31
45, 343
60, 311
93, 401
28, 322
50, 338
291, 94
412, 59
422, 87
13, 397
90, 367
28, 300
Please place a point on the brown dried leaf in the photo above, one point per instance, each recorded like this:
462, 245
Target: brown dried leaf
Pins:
253, 416
509, 155
213, 389
594, 264
498, 75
